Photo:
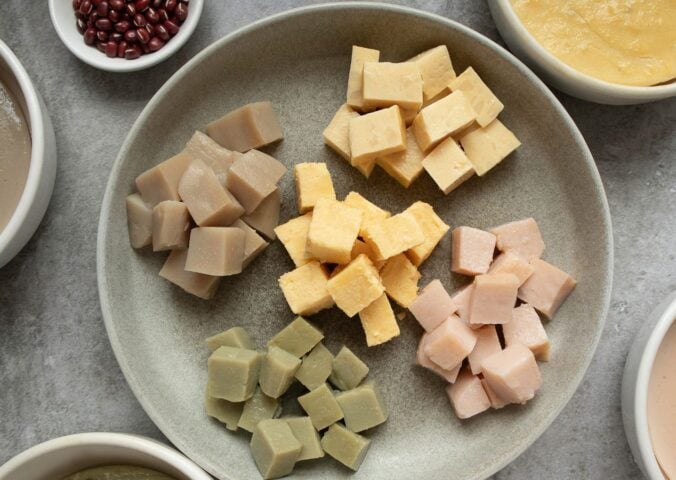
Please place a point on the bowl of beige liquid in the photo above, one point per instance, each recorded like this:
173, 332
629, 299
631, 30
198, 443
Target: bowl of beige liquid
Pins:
27, 156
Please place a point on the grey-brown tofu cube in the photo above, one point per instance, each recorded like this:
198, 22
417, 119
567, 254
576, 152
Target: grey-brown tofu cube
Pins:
171, 226
254, 244
161, 182
218, 158
348, 370
232, 337
139, 221
277, 372
322, 407
316, 367
217, 251
297, 338
266, 216
250, 126
233, 373
258, 408
274, 448
224, 411
306, 434
347, 447
198, 284
253, 177
363, 407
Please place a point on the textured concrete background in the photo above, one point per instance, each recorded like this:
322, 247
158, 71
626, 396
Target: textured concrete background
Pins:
57, 371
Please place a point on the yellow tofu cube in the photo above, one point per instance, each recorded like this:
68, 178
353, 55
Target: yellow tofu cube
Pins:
408, 115
387, 84
337, 133
363, 247
313, 181
483, 100
370, 213
293, 235
448, 165
378, 322
405, 167
487, 146
436, 70
356, 286
333, 230
305, 289
355, 97
400, 279
376, 134
443, 118
433, 228
393, 235
366, 167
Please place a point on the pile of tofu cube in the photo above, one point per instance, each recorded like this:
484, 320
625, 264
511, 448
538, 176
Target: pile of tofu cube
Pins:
491, 324
219, 184
245, 387
353, 254
418, 115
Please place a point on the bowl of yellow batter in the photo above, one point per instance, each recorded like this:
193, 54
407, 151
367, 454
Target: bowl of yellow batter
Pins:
616, 52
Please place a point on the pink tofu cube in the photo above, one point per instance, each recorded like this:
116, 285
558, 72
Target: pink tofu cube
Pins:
487, 343
526, 328
461, 299
513, 374
522, 238
496, 402
509, 263
493, 299
467, 395
449, 343
472, 251
432, 306
424, 361
547, 288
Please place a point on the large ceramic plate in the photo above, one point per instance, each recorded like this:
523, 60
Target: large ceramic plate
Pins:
299, 60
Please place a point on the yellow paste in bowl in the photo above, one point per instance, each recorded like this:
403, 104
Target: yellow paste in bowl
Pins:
630, 42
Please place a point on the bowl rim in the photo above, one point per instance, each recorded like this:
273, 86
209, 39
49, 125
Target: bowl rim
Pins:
102, 62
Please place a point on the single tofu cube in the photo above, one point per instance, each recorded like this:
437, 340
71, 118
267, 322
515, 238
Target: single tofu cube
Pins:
376, 134
424, 361
225, 412
233, 373
496, 402
521, 238
370, 213
297, 338
406, 166
347, 447
487, 146
253, 243
472, 250
546, 288
258, 408
348, 370
313, 181
209, 204
483, 100
436, 70
337, 133
487, 343
356, 286
359, 248
293, 235
468, 396
433, 229
507, 262
493, 299
217, 251
253, 177
316, 367
306, 434
161, 182
355, 81
321, 406
378, 322
266, 216
387, 84
333, 229
139, 221
513, 374
526, 328
203, 286
408, 115
400, 279
432, 306
441, 119
218, 158
449, 343
448, 166
171, 224
394, 235
461, 298
306, 289
232, 337
363, 407
251, 126
277, 372
274, 448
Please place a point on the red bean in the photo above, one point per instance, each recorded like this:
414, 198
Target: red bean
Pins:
139, 20
76, 4
90, 36
161, 33
81, 26
102, 36
102, 9
85, 7
155, 44
114, 16
96, 2
116, 4
143, 35
170, 5
152, 16
156, 4
181, 11
111, 49
121, 47
145, 48
131, 36
101, 46
141, 5
116, 36
164, 16
171, 27
122, 26
131, 9
132, 52
104, 24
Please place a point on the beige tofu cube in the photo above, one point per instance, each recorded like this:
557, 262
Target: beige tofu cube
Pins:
293, 235
436, 70
378, 322
496, 401
405, 167
217, 251
423, 360
441, 119
253, 177
526, 328
513, 374
266, 216
202, 286
376, 134
509, 263
432, 306
305, 289
448, 166
218, 158
487, 146
139, 221
254, 244
546, 288
161, 182
387, 84
394, 235
433, 229
356, 286
483, 100
355, 95
250, 126
333, 229
521, 238
171, 224
337, 133
493, 298
370, 213
461, 299
400, 279
450, 343
471, 251
487, 344
408, 115
313, 181
467, 395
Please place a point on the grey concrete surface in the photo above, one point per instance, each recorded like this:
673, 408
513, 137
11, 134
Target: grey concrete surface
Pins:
58, 374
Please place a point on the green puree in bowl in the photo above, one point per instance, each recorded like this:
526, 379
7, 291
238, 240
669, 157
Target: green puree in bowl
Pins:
118, 472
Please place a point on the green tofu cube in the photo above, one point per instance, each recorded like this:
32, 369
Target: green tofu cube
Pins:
258, 408
233, 373
321, 406
347, 447
362, 407
233, 337
224, 411
306, 434
348, 370
297, 338
316, 367
274, 448
277, 372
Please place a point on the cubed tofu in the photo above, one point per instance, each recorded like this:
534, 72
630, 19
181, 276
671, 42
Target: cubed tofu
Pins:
306, 434
171, 225
513, 374
448, 166
378, 322
305, 288
253, 177
483, 100
347, 447
472, 251
433, 228
251, 126
521, 238
461, 298
139, 221
424, 361
277, 372
266, 216
337, 133
258, 408
355, 81
316, 367
432, 306
526, 328
436, 70
232, 337
202, 286
321, 405
254, 244
161, 182
400, 279
363, 407
409, 115
217, 251
405, 167
467, 395
313, 181
493, 298
225, 412
387, 84
360, 247
487, 146
394, 235
297, 338
233, 373
333, 230
348, 370
496, 401
546, 288
370, 213
487, 344
218, 158
507, 262
274, 448
356, 286
450, 343
441, 119
376, 134
293, 235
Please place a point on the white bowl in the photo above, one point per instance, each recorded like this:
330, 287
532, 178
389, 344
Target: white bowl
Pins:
42, 170
64, 456
635, 385
63, 18
562, 76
